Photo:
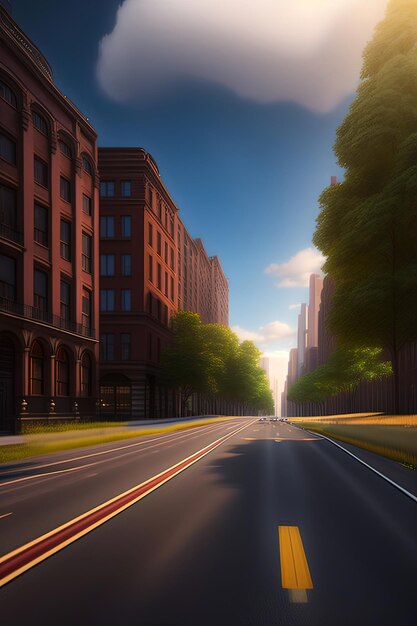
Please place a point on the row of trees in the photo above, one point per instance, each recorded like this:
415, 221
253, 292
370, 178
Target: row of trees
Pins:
208, 359
367, 227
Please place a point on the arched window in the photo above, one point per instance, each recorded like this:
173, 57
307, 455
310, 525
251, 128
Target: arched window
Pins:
62, 372
86, 375
40, 122
65, 148
37, 370
7, 94
87, 165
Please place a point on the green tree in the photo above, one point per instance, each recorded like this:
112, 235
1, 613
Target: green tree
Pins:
367, 227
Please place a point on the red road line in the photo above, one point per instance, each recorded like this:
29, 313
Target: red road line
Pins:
18, 561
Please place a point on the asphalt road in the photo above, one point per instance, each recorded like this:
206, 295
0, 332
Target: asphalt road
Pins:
204, 548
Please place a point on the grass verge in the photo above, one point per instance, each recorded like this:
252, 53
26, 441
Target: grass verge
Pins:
47, 443
393, 441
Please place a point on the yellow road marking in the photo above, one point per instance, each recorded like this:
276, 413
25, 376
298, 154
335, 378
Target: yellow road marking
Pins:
295, 573
5, 515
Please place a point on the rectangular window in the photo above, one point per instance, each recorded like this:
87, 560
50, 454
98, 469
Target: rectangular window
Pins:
126, 264
86, 204
41, 172
158, 243
106, 264
166, 284
107, 188
65, 244
150, 196
159, 277
7, 210
40, 290
7, 149
172, 264
150, 268
160, 210
126, 226
126, 188
86, 309
39, 123
86, 256
126, 300
125, 346
65, 310
171, 226
65, 189
106, 227
106, 300
7, 278
41, 225
150, 234
107, 347
172, 289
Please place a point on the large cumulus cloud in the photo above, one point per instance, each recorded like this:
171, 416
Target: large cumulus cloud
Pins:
306, 51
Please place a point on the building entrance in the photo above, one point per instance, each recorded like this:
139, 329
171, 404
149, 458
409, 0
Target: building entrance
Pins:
7, 384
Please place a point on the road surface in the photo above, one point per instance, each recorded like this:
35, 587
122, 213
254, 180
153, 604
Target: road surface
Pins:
239, 523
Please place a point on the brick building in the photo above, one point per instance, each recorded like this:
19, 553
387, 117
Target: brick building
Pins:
48, 248
150, 267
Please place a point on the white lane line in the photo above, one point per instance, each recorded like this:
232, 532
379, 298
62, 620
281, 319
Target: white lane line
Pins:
177, 434
6, 515
47, 474
394, 484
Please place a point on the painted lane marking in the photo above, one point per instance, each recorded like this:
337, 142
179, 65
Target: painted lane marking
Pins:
280, 438
158, 437
295, 573
394, 484
5, 515
86, 465
27, 556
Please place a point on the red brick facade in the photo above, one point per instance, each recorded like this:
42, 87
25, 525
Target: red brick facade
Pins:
48, 247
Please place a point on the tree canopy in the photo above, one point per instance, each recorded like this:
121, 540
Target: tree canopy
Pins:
367, 227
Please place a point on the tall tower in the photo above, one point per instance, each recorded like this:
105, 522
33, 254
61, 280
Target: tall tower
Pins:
302, 337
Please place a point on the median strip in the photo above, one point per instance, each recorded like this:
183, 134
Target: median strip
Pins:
36, 551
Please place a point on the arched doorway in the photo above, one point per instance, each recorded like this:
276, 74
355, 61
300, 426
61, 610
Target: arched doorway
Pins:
7, 383
116, 396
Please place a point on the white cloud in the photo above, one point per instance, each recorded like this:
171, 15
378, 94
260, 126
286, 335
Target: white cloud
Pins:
296, 271
307, 51
266, 335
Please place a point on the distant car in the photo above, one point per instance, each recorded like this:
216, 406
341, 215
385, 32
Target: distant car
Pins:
263, 419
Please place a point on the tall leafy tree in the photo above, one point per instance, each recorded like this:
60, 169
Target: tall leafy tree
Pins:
367, 227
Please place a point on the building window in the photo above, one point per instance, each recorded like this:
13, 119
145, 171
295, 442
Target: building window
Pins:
65, 149
166, 252
62, 372
87, 165
106, 227
7, 278
7, 94
86, 375
126, 300
65, 243
7, 149
86, 256
37, 370
7, 209
40, 291
86, 204
171, 226
172, 264
126, 226
150, 234
65, 189
160, 210
126, 265
159, 277
86, 309
126, 188
125, 346
172, 289
41, 172
166, 284
107, 188
150, 268
41, 225
107, 347
106, 264
65, 304
40, 123
106, 300
150, 196
158, 243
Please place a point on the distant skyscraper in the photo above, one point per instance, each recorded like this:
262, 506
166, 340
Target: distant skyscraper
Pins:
316, 285
302, 337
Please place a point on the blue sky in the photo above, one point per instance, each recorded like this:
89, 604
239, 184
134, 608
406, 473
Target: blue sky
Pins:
244, 154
